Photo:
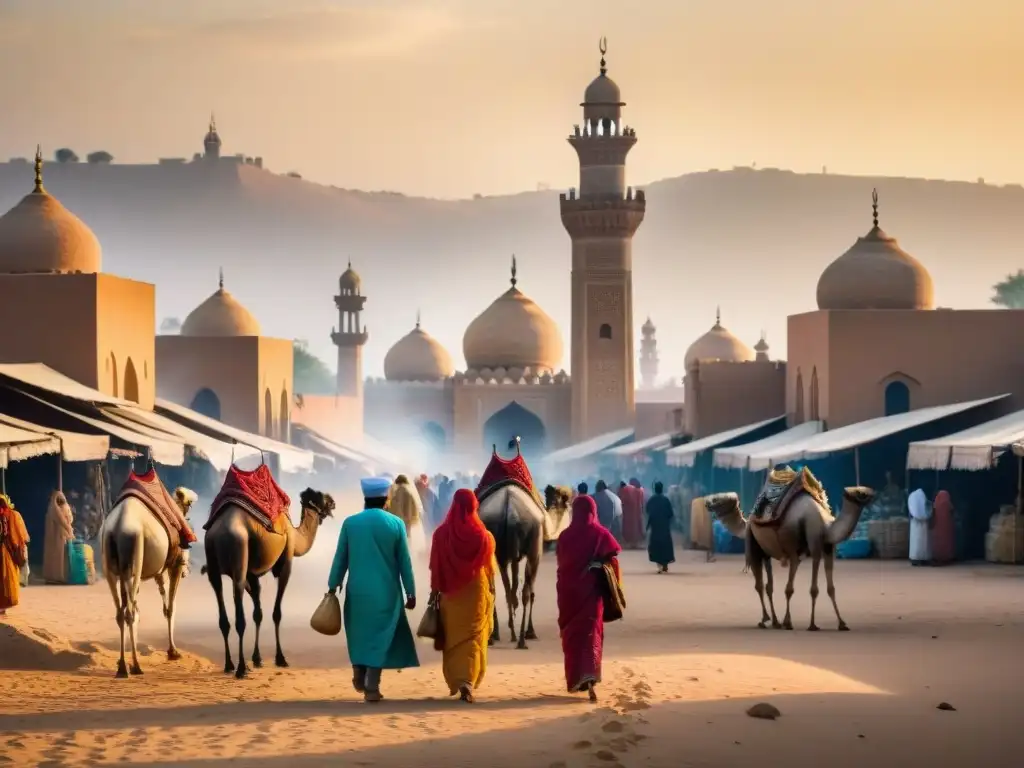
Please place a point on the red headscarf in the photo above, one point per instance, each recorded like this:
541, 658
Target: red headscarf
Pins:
461, 545
585, 540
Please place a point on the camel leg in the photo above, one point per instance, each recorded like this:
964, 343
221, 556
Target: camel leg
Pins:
510, 597
225, 625
815, 563
495, 637
757, 568
115, 590
770, 590
522, 622
830, 587
283, 575
794, 564
168, 598
532, 566
253, 588
238, 592
131, 618
514, 605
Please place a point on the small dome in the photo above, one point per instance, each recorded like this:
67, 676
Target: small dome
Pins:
875, 273
718, 345
212, 138
762, 345
648, 326
39, 235
513, 332
602, 91
220, 315
350, 281
417, 356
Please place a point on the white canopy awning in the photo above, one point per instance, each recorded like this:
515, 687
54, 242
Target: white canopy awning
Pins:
292, 459
685, 455
738, 456
219, 453
17, 444
43, 377
855, 435
975, 449
656, 443
74, 446
325, 445
587, 448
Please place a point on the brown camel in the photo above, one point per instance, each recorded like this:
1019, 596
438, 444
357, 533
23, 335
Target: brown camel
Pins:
558, 508
789, 526
240, 547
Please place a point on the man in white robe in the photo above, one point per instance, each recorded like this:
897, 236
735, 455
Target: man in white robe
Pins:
920, 533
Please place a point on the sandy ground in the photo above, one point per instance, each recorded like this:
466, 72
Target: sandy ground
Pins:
680, 672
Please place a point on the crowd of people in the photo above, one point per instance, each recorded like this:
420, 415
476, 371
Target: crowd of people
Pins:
373, 562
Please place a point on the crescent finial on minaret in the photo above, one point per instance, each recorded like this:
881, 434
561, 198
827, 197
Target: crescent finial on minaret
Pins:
39, 171
602, 46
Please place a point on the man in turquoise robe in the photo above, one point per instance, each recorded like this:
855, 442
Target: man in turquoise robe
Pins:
373, 552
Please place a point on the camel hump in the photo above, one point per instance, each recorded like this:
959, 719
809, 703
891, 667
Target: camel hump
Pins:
781, 489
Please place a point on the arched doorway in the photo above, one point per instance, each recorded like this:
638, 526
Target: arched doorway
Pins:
434, 435
798, 406
283, 416
897, 398
131, 382
515, 420
112, 362
268, 413
207, 403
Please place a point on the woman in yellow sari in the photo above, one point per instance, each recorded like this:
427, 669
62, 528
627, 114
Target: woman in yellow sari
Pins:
462, 570
13, 553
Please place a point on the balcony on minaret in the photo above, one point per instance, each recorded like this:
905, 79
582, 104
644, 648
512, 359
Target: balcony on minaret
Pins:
610, 214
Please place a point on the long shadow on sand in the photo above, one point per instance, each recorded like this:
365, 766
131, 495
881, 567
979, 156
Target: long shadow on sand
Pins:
257, 711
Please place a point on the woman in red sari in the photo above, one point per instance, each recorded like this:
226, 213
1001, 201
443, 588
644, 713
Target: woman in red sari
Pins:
943, 530
582, 545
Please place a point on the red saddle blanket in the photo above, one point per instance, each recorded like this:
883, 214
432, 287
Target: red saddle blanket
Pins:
500, 472
256, 492
150, 491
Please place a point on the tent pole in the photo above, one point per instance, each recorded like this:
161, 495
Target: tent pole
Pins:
856, 465
60, 465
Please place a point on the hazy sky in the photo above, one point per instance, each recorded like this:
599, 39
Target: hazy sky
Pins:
452, 97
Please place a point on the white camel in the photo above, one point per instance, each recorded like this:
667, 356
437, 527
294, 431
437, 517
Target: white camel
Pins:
135, 547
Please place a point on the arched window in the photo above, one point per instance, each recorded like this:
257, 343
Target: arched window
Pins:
605, 331
897, 398
131, 382
434, 435
113, 372
815, 412
511, 421
283, 416
207, 403
798, 406
268, 414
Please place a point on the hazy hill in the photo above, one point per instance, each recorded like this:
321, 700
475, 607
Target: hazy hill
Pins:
752, 241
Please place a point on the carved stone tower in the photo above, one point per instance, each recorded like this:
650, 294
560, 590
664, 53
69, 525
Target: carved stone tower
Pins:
648, 355
350, 335
601, 220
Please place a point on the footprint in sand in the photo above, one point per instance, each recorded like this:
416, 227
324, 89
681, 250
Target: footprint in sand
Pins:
613, 727
606, 755
627, 672
583, 745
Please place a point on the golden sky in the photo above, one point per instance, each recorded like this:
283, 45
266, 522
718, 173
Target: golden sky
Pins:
454, 97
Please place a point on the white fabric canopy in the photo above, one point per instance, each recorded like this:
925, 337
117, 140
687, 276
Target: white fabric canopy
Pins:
855, 435
326, 445
292, 459
219, 453
686, 455
43, 377
587, 448
656, 443
974, 449
738, 456
17, 444
74, 446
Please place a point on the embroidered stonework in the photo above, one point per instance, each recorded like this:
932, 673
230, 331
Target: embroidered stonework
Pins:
606, 301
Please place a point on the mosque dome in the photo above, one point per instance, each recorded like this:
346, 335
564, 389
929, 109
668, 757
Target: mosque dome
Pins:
602, 91
350, 282
417, 356
648, 326
875, 273
719, 345
220, 315
513, 332
39, 235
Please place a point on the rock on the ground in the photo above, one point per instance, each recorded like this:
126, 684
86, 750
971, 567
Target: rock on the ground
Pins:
763, 711
945, 706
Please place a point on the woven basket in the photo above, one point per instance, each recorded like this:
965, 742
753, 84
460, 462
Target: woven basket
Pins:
891, 538
1004, 542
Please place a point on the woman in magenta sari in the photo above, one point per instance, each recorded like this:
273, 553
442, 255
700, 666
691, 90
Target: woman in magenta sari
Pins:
583, 544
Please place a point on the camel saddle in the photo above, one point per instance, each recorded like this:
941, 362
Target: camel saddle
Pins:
502, 472
781, 488
257, 493
153, 494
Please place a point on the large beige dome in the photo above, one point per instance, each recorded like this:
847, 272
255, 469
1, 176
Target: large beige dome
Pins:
513, 332
875, 273
220, 315
718, 345
418, 356
39, 235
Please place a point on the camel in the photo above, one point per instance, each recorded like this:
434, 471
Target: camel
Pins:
134, 548
803, 527
558, 508
240, 547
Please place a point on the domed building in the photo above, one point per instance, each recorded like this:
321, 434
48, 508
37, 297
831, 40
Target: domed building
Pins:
50, 269
512, 384
870, 348
222, 366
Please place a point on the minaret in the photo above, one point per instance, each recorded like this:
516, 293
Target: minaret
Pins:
601, 220
648, 355
350, 335
761, 350
211, 142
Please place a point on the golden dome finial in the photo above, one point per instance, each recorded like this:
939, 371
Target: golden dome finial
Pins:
514, 281
718, 317
213, 123
39, 190
220, 280
602, 46
874, 206
417, 318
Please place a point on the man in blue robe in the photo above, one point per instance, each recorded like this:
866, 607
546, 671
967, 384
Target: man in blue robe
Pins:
373, 552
